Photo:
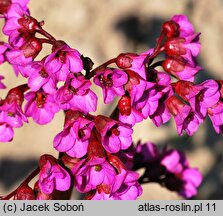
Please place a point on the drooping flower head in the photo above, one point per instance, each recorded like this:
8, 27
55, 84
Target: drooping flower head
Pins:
52, 176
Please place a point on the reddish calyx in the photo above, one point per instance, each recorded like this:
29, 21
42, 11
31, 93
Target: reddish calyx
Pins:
28, 25
171, 29
174, 104
124, 105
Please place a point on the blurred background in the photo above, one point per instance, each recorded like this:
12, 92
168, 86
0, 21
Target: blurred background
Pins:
101, 29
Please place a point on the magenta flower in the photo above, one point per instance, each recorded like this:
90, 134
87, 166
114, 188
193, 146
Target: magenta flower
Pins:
12, 114
63, 60
186, 120
41, 107
181, 68
75, 136
186, 179
201, 97
6, 132
18, 21
76, 95
52, 176
163, 85
188, 47
215, 113
185, 27
5, 6
144, 100
40, 78
145, 153
93, 173
125, 187
134, 62
115, 136
22, 57
112, 82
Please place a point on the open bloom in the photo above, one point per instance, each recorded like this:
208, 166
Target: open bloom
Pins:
186, 120
41, 107
11, 114
77, 95
75, 136
201, 97
40, 78
52, 176
112, 82
184, 179
63, 60
215, 113
115, 136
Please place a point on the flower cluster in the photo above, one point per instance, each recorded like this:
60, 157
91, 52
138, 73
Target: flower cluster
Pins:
169, 168
96, 152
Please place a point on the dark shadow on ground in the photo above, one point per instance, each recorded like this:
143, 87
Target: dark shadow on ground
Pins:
13, 172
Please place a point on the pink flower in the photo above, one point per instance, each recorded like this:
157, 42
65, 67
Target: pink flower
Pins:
201, 97
186, 120
112, 82
22, 57
125, 187
63, 60
144, 100
76, 95
6, 4
115, 136
41, 107
11, 114
18, 21
52, 176
40, 78
6, 132
93, 173
215, 113
134, 62
185, 27
181, 68
75, 136
176, 163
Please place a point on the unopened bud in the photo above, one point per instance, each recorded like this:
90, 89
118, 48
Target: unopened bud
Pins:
124, 61
124, 105
171, 29
175, 47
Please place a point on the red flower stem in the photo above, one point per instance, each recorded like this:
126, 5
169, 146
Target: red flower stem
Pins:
157, 50
23, 87
99, 68
25, 182
46, 34
44, 40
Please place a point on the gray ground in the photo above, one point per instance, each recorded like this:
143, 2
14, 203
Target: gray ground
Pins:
101, 30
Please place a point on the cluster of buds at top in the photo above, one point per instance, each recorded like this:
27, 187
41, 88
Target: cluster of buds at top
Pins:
97, 154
